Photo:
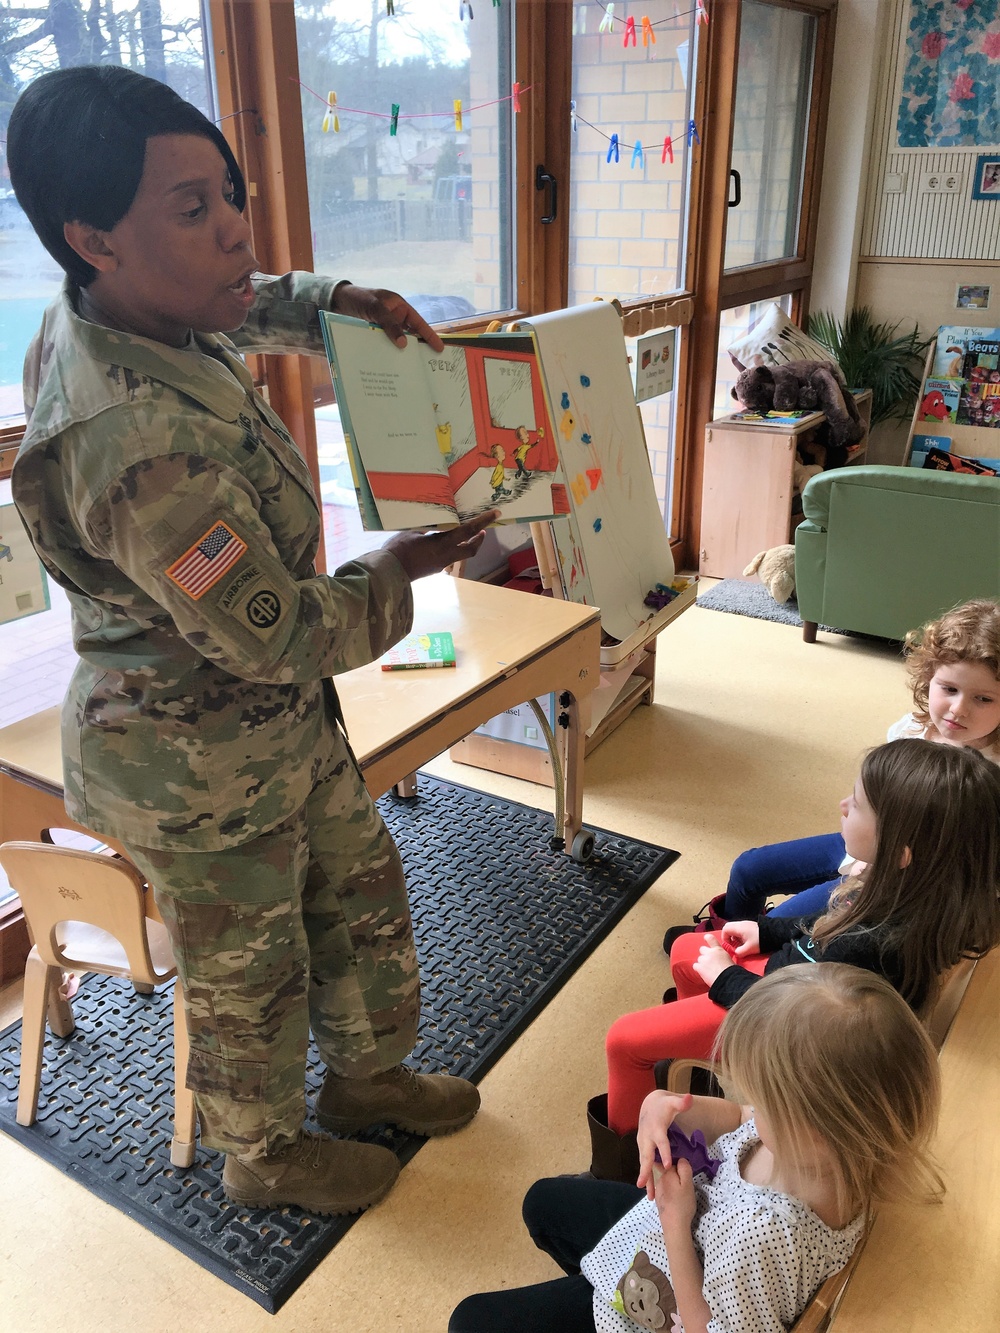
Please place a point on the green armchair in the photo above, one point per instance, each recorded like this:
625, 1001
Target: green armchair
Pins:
884, 549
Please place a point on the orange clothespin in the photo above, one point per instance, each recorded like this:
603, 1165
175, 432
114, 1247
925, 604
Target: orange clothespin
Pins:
648, 35
668, 149
331, 121
607, 23
629, 31
515, 96
458, 113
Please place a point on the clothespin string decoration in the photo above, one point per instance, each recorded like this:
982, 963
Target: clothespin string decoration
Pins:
390, 8
693, 135
515, 97
701, 15
668, 149
331, 120
458, 113
629, 31
648, 35
608, 21
613, 148
394, 119
465, 5
637, 154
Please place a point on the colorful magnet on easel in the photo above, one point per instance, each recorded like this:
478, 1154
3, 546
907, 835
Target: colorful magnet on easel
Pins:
668, 149
579, 488
597, 524
613, 148
629, 31
394, 119
608, 21
584, 439
693, 134
567, 424
648, 35
564, 401
637, 154
585, 381
594, 477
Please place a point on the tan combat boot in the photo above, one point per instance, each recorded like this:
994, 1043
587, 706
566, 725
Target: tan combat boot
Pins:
318, 1174
419, 1103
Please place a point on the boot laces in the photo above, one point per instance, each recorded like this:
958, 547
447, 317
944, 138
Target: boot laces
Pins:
305, 1151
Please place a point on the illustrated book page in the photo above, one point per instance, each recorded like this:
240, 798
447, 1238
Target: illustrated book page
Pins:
436, 437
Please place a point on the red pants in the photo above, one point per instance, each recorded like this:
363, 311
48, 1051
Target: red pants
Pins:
685, 1028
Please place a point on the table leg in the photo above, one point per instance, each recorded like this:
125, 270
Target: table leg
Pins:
572, 748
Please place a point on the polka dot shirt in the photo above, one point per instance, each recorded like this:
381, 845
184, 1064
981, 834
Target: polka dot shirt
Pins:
765, 1254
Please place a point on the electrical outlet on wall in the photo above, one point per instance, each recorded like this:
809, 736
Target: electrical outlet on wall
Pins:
941, 182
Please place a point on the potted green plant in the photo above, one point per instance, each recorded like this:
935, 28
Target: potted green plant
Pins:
875, 356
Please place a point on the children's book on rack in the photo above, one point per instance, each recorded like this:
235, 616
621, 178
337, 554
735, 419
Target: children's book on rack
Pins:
436, 437
964, 384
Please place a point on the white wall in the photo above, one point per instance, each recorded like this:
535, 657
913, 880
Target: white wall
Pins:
856, 72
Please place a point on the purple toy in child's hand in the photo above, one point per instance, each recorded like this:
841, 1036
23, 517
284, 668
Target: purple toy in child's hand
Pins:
694, 1149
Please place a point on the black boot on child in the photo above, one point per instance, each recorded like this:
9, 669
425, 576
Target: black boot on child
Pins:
613, 1156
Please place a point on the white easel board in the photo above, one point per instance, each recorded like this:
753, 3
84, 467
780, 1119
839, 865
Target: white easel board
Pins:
617, 548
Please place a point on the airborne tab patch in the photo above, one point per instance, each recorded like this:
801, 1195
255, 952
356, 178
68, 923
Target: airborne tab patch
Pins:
203, 564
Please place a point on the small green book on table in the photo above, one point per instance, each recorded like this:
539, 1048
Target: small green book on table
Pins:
417, 651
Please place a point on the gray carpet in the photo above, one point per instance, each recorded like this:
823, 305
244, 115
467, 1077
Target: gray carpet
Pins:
750, 599
742, 598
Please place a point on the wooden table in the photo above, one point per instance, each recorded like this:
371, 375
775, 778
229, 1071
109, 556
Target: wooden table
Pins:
510, 647
933, 1268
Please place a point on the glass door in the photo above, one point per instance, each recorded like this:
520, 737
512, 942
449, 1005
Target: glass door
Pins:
771, 117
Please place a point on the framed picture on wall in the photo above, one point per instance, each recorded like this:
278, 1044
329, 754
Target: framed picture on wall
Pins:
986, 177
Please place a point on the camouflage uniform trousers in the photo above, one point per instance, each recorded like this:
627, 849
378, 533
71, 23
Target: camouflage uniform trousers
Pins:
306, 925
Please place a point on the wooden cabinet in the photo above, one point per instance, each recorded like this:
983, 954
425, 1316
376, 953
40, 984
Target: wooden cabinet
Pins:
748, 501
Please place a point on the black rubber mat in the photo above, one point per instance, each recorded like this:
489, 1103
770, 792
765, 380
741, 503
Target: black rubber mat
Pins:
501, 923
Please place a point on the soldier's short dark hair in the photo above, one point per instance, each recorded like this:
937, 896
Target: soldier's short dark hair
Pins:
76, 144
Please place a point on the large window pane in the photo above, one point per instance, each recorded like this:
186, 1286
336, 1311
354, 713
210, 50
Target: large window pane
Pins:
628, 218
733, 324
773, 88
425, 211
164, 41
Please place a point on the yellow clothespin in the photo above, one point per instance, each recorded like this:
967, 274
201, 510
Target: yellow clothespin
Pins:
458, 113
331, 119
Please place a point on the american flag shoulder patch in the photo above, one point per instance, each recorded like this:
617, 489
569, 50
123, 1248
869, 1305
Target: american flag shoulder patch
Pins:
203, 564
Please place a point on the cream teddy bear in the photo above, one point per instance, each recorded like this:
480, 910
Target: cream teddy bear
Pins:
776, 570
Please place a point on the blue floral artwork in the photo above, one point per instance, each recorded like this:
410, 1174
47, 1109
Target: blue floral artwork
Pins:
951, 80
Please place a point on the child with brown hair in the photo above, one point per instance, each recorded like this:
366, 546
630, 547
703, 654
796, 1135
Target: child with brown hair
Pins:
924, 820
842, 1092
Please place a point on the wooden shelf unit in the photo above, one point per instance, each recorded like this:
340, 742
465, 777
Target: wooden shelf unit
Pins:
747, 496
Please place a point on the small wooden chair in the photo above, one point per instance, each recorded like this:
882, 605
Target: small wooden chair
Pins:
87, 913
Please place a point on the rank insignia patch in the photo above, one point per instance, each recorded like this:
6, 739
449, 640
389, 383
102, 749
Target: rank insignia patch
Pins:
203, 564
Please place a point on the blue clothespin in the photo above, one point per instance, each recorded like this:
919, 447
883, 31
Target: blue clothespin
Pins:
637, 154
613, 148
693, 135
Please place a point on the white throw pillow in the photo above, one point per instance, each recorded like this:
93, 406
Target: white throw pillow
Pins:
774, 339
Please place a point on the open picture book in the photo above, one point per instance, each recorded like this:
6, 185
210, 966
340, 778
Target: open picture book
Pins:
436, 437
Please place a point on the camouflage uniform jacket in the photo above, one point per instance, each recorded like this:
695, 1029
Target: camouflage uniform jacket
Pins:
171, 504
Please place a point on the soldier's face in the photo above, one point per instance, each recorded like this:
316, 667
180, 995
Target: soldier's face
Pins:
180, 258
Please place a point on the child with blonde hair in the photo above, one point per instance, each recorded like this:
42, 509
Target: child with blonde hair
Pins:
842, 1091
953, 667
924, 820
